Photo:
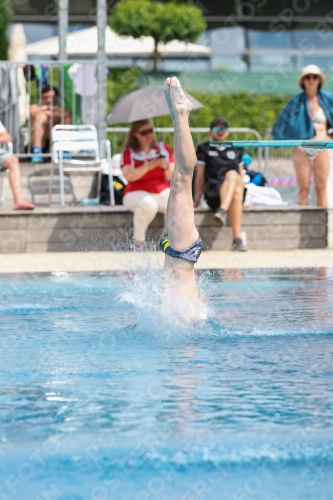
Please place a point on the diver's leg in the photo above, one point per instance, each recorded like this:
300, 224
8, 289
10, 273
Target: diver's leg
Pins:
180, 214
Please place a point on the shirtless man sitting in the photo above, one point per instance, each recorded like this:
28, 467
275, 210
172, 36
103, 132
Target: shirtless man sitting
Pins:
43, 118
11, 163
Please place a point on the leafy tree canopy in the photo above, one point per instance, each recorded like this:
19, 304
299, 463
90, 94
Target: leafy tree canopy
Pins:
6, 16
163, 21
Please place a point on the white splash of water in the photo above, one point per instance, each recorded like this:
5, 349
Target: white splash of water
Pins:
152, 294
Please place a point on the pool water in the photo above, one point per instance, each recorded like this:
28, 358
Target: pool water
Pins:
101, 399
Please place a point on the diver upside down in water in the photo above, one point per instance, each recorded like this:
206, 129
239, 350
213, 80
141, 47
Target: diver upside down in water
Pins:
182, 244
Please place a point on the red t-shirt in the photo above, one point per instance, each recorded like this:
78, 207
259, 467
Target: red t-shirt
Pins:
154, 180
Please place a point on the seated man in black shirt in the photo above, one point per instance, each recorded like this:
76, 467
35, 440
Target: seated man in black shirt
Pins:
219, 178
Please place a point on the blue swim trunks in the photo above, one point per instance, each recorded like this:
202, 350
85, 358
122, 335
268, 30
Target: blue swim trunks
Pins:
190, 254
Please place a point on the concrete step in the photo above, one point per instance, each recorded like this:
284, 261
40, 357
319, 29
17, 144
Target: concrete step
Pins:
82, 185
111, 229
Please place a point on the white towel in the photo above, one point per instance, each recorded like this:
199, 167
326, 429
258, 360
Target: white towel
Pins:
261, 195
84, 78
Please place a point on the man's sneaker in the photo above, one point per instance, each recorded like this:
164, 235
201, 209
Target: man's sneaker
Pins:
37, 157
221, 215
67, 156
238, 245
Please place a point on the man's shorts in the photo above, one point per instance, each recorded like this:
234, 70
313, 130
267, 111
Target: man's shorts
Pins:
213, 202
3, 157
212, 190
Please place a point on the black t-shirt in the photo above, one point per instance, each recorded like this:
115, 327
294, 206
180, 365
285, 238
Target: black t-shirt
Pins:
218, 160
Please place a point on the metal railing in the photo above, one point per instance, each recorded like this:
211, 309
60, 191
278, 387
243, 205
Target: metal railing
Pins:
117, 137
21, 101
280, 172
21, 88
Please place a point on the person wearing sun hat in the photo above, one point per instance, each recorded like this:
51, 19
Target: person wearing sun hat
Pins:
308, 115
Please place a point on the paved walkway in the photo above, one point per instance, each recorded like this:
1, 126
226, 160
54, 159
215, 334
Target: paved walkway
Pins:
118, 261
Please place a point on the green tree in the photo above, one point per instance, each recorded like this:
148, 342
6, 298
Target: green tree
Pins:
6, 16
163, 21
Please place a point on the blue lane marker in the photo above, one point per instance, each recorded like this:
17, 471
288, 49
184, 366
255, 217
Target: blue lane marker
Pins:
274, 144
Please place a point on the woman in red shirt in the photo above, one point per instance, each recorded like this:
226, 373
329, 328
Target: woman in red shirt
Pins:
147, 165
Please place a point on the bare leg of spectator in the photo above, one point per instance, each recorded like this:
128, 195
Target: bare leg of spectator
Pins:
38, 125
61, 116
67, 117
235, 212
12, 164
232, 182
41, 125
302, 167
321, 169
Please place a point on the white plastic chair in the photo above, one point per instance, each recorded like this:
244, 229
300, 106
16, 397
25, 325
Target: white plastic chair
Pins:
10, 150
80, 141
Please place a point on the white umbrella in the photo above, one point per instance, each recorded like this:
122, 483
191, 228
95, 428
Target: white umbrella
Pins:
84, 43
148, 102
18, 52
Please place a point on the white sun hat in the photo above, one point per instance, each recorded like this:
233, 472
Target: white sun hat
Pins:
311, 69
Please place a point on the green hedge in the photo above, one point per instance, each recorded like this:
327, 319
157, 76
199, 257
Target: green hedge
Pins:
241, 110
6, 17
121, 82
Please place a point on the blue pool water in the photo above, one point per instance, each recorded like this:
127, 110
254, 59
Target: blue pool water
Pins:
101, 399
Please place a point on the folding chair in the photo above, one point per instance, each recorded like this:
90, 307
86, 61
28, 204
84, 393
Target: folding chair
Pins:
80, 141
10, 150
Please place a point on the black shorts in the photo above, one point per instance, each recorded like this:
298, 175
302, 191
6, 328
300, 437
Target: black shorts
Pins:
212, 190
213, 203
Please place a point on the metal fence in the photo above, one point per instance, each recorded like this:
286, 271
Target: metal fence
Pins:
117, 137
29, 119
280, 173
23, 110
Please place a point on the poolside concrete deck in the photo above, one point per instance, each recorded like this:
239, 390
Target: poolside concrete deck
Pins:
94, 229
122, 261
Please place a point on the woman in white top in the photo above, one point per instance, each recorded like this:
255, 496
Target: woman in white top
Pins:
307, 159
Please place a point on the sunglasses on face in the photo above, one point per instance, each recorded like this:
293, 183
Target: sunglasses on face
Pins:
146, 132
219, 129
308, 77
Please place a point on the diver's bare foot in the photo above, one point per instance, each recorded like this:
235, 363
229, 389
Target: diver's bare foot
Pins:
24, 205
176, 99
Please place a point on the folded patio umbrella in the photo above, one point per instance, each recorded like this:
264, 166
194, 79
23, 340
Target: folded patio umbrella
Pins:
148, 102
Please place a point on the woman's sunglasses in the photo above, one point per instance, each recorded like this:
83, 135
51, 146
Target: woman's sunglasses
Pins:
146, 132
308, 77
219, 129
